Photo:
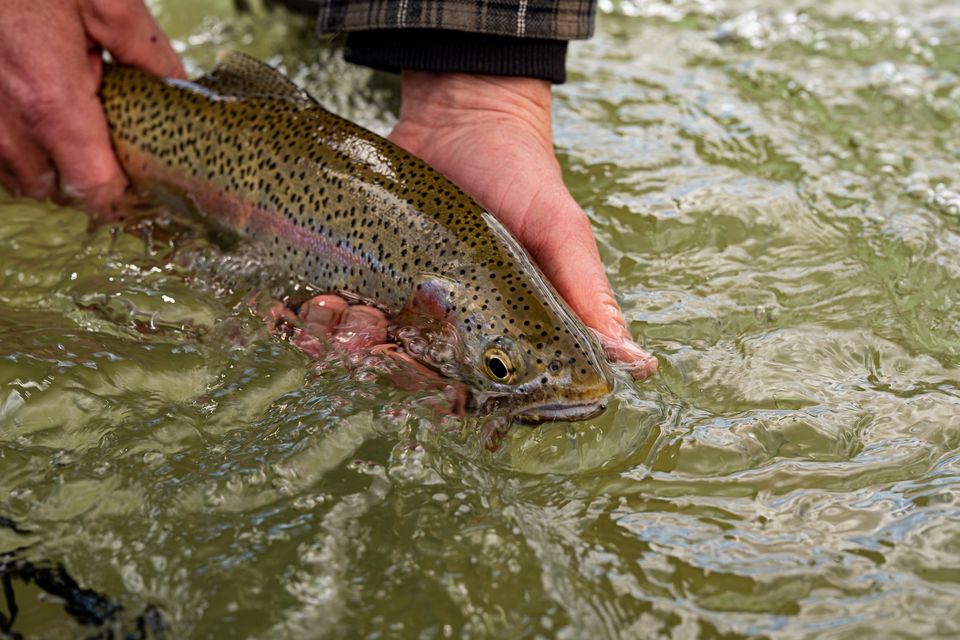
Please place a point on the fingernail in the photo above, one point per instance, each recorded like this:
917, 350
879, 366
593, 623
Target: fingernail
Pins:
48, 182
45, 186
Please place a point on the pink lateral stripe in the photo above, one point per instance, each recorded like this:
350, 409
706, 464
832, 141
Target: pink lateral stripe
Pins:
231, 208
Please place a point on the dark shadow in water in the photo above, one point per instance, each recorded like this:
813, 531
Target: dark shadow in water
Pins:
88, 609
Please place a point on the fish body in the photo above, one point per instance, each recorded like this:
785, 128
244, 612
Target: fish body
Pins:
349, 211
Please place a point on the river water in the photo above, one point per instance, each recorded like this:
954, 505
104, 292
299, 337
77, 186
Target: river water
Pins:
775, 191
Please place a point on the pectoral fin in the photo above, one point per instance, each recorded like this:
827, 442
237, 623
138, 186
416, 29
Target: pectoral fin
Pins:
432, 297
425, 326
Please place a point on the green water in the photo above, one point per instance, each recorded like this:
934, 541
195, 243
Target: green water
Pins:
777, 200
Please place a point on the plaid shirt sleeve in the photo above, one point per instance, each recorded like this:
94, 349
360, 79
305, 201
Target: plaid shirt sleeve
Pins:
536, 19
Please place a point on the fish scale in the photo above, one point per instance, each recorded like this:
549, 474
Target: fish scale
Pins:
349, 211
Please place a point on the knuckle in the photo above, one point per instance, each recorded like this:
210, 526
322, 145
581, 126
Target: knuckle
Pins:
42, 185
41, 107
94, 188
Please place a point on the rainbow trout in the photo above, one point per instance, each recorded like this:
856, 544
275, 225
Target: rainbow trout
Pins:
349, 211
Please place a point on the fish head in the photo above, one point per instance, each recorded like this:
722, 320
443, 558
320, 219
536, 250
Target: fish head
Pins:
516, 344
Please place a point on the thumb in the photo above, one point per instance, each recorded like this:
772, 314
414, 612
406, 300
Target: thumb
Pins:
126, 29
607, 321
567, 253
625, 352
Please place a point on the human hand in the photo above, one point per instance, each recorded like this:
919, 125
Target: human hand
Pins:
54, 141
492, 136
328, 327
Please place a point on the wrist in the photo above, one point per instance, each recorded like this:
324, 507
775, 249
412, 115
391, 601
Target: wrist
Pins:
436, 100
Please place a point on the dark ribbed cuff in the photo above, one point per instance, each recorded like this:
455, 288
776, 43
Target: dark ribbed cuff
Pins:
458, 52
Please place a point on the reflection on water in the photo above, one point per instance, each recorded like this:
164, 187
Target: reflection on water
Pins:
775, 193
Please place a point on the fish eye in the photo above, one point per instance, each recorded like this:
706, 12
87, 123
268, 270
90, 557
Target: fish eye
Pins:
498, 365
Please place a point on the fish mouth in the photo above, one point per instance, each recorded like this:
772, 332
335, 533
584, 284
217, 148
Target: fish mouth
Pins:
562, 411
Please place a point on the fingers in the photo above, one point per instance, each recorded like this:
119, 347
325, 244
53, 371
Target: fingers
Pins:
51, 115
350, 328
321, 314
624, 351
567, 253
127, 30
54, 139
64, 116
361, 328
25, 169
332, 325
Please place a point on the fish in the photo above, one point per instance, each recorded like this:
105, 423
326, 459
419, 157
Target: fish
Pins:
350, 212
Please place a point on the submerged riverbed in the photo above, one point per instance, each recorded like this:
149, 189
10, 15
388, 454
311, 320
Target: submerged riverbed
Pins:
777, 200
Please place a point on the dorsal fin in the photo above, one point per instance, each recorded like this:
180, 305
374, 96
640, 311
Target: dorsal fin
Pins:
239, 75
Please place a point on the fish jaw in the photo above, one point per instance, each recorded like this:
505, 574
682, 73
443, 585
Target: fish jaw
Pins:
588, 402
561, 401
562, 412
538, 412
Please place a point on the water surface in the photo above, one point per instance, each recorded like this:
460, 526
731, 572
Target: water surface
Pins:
776, 195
